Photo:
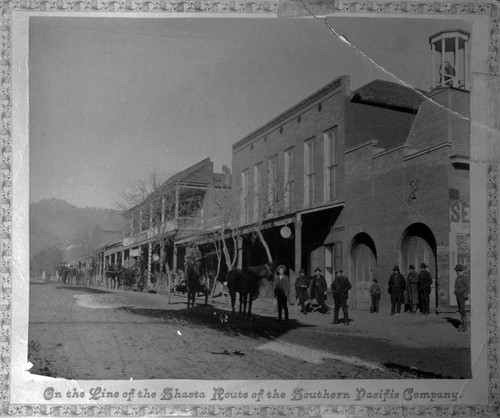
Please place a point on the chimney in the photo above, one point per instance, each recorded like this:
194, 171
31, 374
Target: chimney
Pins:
227, 176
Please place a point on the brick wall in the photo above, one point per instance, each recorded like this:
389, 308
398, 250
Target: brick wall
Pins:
365, 122
308, 122
377, 201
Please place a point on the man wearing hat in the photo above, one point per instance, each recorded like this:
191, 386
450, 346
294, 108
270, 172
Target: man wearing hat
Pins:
412, 288
318, 289
301, 285
340, 289
281, 289
397, 286
424, 288
462, 294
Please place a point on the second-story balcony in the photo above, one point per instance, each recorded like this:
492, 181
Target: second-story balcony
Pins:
182, 223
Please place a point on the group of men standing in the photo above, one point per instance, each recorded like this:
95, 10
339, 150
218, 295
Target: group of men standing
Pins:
414, 291
314, 287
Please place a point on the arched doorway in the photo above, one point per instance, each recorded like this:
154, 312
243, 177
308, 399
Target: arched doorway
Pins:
419, 246
363, 266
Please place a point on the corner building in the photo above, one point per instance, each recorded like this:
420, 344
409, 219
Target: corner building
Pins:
363, 181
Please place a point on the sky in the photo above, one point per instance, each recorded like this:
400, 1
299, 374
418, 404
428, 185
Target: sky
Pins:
113, 100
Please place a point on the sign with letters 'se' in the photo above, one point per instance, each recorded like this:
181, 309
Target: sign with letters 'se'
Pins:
460, 212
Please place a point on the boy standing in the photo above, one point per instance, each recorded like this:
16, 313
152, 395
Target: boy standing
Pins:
375, 294
281, 290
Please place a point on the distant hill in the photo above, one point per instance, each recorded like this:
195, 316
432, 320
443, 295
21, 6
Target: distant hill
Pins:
55, 222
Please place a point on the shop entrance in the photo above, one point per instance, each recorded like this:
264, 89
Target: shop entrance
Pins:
363, 266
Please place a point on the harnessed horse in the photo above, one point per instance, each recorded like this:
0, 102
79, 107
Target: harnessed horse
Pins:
194, 285
246, 282
113, 277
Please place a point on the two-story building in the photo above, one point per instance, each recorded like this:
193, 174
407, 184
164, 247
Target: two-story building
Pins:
160, 224
364, 180
290, 175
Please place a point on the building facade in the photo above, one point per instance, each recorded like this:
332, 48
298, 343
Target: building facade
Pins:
362, 181
164, 222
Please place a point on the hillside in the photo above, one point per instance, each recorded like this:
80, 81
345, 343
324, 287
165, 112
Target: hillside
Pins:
55, 222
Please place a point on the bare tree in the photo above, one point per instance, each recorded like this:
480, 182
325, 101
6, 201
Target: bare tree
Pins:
160, 207
222, 230
278, 191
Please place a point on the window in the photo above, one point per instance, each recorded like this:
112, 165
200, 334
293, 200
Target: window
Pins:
330, 138
257, 181
309, 172
289, 180
272, 192
244, 196
134, 226
142, 222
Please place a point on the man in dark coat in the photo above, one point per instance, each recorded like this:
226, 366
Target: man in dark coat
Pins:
340, 289
281, 290
301, 285
318, 289
424, 289
397, 286
462, 294
412, 288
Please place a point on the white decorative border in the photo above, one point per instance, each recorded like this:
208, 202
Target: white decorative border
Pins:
264, 7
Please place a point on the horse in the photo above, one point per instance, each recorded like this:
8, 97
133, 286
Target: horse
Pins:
113, 277
246, 282
63, 274
79, 277
89, 276
194, 285
129, 279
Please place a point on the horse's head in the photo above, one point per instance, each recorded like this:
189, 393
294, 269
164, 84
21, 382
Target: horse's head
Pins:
270, 269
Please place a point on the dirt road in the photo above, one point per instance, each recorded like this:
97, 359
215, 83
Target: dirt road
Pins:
82, 333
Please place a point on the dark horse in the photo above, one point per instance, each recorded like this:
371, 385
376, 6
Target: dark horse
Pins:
246, 282
113, 277
194, 285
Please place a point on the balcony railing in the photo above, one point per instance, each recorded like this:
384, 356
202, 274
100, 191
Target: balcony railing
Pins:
181, 223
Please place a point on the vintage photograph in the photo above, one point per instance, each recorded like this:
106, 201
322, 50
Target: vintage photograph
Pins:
240, 199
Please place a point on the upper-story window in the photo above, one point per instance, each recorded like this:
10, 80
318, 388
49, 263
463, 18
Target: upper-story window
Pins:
142, 221
330, 163
272, 185
309, 174
257, 191
156, 213
134, 225
244, 196
289, 180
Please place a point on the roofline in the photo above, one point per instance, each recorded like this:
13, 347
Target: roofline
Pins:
462, 34
318, 94
175, 179
404, 109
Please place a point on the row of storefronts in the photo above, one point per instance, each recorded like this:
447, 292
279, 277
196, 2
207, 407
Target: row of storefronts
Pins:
357, 180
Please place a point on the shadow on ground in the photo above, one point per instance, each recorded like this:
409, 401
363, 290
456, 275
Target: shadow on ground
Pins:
453, 321
234, 324
82, 289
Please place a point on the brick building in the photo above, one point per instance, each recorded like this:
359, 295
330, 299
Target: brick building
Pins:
363, 180
407, 202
